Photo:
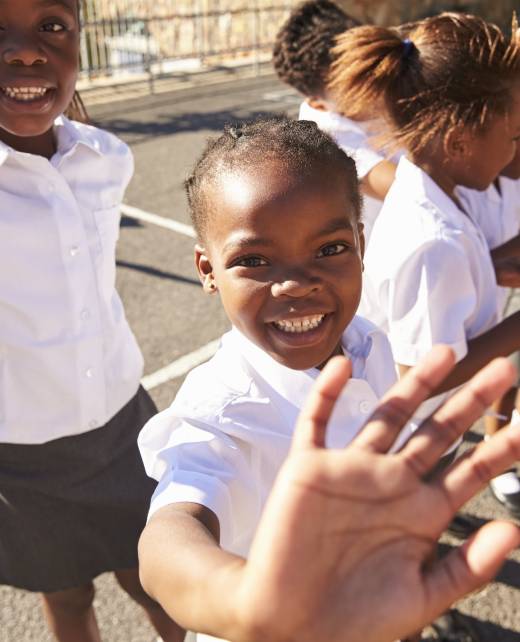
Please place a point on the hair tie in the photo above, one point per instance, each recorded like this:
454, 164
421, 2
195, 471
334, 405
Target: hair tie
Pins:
408, 48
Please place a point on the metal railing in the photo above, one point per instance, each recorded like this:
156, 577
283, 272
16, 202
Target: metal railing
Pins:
122, 38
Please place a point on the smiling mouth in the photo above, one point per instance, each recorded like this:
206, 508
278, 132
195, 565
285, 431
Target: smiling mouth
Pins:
301, 325
25, 94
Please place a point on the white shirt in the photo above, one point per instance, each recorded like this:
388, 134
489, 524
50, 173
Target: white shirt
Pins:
354, 141
428, 275
68, 359
497, 212
222, 441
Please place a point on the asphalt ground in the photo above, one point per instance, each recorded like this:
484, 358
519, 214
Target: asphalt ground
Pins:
173, 320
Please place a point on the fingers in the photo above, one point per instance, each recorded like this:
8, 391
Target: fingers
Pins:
471, 473
456, 415
312, 423
467, 568
402, 400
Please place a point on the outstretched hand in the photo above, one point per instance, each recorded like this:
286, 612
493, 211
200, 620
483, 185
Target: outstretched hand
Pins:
344, 549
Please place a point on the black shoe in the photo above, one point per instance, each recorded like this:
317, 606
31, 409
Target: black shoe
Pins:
452, 627
463, 525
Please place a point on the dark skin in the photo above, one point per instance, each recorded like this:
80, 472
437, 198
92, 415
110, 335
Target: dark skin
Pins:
475, 162
284, 248
39, 49
39, 58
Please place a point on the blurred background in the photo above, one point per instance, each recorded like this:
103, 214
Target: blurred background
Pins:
131, 41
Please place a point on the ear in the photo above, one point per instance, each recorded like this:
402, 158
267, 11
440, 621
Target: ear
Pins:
456, 144
205, 269
361, 232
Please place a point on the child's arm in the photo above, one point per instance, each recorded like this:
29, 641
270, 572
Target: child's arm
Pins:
500, 341
326, 555
378, 180
508, 250
183, 568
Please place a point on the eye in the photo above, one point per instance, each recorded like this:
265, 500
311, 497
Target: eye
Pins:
332, 249
250, 262
53, 27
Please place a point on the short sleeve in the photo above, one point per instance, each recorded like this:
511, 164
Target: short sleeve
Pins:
201, 465
429, 300
356, 145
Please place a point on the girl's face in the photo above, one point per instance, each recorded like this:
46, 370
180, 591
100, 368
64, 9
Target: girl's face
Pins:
513, 169
284, 252
39, 53
486, 155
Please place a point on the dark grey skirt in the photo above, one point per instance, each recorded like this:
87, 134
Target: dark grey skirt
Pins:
74, 507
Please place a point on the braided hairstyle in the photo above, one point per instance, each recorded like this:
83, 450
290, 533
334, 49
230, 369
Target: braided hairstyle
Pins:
444, 73
300, 146
302, 51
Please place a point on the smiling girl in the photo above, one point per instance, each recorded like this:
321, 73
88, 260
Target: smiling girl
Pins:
73, 492
277, 210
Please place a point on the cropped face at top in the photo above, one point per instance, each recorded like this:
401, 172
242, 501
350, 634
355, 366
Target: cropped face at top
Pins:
39, 52
284, 252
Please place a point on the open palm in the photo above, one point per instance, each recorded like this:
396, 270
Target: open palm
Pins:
345, 551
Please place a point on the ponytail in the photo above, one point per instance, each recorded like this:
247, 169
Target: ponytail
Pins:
445, 72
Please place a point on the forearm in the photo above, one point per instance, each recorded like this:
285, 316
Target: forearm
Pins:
501, 341
508, 250
183, 568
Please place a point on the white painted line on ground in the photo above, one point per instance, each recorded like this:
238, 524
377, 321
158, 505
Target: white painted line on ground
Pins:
181, 366
155, 219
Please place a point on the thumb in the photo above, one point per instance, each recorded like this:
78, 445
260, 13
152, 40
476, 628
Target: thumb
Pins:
470, 566
311, 426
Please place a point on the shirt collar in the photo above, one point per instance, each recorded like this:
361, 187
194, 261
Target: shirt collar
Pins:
423, 188
329, 120
295, 385
68, 135
67, 138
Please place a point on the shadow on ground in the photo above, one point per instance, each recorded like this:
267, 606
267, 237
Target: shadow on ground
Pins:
140, 131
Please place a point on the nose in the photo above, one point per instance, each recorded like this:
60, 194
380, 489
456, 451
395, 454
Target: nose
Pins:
298, 283
22, 50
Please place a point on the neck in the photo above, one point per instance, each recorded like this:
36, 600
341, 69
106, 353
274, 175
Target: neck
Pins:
42, 145
441, 176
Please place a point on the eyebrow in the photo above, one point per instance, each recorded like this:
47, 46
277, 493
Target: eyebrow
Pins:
241, 243
63, 4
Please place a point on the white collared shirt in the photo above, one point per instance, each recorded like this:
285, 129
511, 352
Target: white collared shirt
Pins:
222, 441
354, 141
68, 359
497, 212
428, 275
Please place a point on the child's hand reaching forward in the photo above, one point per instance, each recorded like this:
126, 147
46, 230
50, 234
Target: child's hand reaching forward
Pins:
344, 549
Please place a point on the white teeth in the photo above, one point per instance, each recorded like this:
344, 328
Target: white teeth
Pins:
25, 93
303, 324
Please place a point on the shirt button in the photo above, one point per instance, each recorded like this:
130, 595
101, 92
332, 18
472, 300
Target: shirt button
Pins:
365, 407
92, 424
50, 188
74, 250
89, 373
85, 314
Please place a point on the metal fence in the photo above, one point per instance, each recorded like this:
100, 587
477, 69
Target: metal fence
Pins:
128, 37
